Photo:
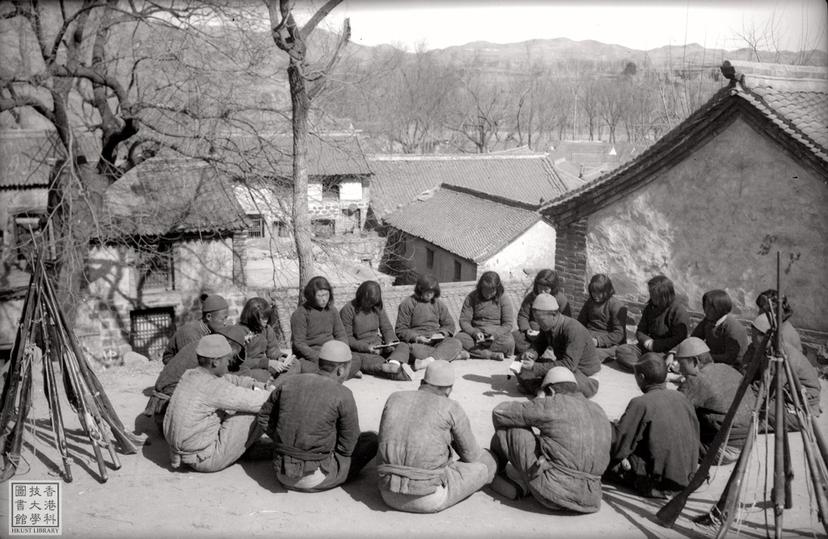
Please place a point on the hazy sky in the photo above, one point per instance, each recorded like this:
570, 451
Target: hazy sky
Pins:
640, 25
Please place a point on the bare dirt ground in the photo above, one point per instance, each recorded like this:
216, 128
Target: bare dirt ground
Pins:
145, 498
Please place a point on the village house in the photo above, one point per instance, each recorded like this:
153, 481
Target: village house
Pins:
176, 232
457, 216
456, 234
711, 202
338, 187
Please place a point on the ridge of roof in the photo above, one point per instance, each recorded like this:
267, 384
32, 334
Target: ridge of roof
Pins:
487, 196
450, 218
453, 156
722, 106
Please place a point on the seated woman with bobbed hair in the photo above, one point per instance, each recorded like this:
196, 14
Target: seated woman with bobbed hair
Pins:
373, 343
604, 316
314, 323
721, 331
664, 324
486, 320
424, 321
263, 359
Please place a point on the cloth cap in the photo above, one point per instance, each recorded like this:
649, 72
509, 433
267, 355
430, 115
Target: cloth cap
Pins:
213, 346
545, 302
556, 375
761, 323
335, 352
691, 347
213, 302
439, 373
237, 334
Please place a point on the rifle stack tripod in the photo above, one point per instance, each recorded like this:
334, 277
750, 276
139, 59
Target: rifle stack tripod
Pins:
771, 366
44, 337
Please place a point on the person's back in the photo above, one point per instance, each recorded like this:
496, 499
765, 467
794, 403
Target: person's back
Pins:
309, 409
659, 435
313, 420
417, 431
711, 393
574, 447
180, 363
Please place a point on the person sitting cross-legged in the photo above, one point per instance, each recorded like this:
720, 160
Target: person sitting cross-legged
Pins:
186, 359
710, 388
210, 420
424, 321
417, 433
562, 466
371, 336
313, 420
486, 320
655, 448
562, 341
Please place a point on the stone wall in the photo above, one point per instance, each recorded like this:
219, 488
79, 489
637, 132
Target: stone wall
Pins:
715, 220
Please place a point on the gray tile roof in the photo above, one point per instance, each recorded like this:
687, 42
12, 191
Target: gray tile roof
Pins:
397, 180
27, 156
166, 196
466, 224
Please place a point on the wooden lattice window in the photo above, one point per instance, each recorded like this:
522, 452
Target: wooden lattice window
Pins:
155, 267
151, 330
257, 224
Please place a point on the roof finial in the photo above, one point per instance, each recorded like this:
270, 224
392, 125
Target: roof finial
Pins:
729, 72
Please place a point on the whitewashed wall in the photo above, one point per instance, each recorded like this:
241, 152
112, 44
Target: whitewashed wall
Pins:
532, 250
716, 220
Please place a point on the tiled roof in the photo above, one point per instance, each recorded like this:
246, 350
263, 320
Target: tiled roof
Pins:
27, 156
165, 196
800, 113
397, 180
472, 226
794, 111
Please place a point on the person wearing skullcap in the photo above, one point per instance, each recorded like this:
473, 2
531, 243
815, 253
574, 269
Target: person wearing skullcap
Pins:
710, 388
184, 360
210, 420
800, 367
546, 281
562, 466
313, 419
655, 447
214, 311
562, 341
418, 430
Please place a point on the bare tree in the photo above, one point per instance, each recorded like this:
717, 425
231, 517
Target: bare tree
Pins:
306, 82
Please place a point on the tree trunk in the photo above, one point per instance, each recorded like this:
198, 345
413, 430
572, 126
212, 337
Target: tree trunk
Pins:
300, 104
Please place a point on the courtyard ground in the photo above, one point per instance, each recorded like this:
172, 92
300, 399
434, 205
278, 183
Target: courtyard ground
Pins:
145, 498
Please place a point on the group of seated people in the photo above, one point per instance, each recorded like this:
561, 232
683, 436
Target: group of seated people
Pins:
223, 386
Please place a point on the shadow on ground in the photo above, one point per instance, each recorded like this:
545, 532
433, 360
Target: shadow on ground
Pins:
499, 383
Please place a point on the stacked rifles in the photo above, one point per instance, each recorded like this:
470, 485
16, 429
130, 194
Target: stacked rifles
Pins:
44, 340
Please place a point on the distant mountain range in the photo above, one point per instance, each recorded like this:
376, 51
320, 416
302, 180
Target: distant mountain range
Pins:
550, 51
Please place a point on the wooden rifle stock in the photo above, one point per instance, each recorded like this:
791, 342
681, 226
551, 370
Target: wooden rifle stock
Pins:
670, 512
